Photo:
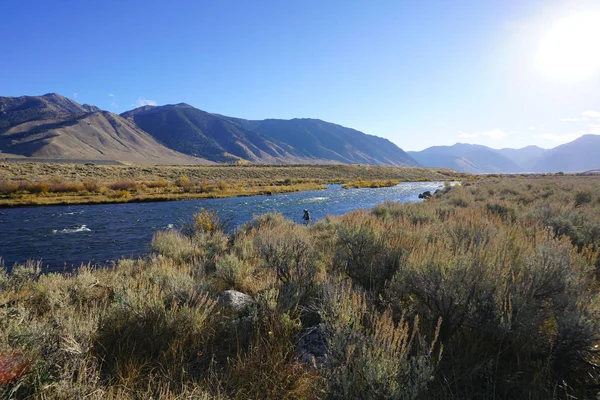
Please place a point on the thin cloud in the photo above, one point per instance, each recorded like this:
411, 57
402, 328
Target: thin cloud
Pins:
593, 114
142, 101
75, 95
494, 134
467, 135
569, 119
111, 95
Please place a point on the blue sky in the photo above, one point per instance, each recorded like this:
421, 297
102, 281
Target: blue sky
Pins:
505, 73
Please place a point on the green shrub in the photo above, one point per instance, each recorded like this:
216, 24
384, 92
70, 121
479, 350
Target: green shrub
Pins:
361, 255
505, 212
175, 245
371, 355
582, 198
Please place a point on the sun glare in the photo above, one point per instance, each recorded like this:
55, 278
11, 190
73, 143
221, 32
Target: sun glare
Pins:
570, 49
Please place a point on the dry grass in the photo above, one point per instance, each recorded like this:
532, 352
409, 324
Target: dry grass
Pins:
486, 290
370, 184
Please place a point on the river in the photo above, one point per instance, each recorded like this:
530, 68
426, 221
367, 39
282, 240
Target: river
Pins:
66, 236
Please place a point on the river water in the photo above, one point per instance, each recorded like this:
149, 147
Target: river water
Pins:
66, 236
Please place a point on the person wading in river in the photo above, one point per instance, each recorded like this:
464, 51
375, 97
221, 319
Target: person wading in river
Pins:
306, 217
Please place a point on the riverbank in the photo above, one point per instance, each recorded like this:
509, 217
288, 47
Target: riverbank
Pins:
486, 290
139, 193
27, 184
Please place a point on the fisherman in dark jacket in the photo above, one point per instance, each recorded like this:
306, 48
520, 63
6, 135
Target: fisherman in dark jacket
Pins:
306, 216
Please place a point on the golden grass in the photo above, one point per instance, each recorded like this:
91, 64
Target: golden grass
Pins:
144, 194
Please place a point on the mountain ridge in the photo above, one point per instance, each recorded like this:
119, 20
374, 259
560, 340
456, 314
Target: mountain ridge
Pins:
299, 140
577, 156
470, 158
54, 127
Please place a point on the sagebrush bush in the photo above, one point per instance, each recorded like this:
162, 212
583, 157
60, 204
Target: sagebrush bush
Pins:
369, 354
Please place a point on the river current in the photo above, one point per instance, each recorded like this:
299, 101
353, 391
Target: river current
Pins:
67, 236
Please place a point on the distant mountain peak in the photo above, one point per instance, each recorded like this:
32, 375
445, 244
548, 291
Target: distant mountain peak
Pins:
54, 95
577, 156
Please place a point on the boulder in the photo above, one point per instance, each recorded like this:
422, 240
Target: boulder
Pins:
312, 347
234, 300
425, 195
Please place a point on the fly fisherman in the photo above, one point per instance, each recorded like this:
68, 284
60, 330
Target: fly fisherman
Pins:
306, 216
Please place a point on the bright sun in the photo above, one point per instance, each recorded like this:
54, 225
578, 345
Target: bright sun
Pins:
570, 50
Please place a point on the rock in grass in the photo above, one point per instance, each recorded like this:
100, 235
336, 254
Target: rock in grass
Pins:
312, 347
234, 300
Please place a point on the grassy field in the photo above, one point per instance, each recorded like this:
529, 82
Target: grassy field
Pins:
45, 184
487, 290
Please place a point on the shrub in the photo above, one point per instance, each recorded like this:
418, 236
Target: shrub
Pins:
120, 194
361, 253
123, 185
143, 337
175, 245
459, 202
505, 212
371, 355
7, 187
35, 187
582, 198
232, 272
183, 182
207, 221
160, 183
267, 369
67, 187
290, 253
92, 186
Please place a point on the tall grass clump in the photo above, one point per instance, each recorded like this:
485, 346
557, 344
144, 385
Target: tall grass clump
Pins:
372, 355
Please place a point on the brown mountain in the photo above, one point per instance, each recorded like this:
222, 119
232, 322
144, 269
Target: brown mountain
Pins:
195, 132
220, 138
54, 127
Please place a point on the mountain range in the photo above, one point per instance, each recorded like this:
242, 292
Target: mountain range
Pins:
582, 154
54, 127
